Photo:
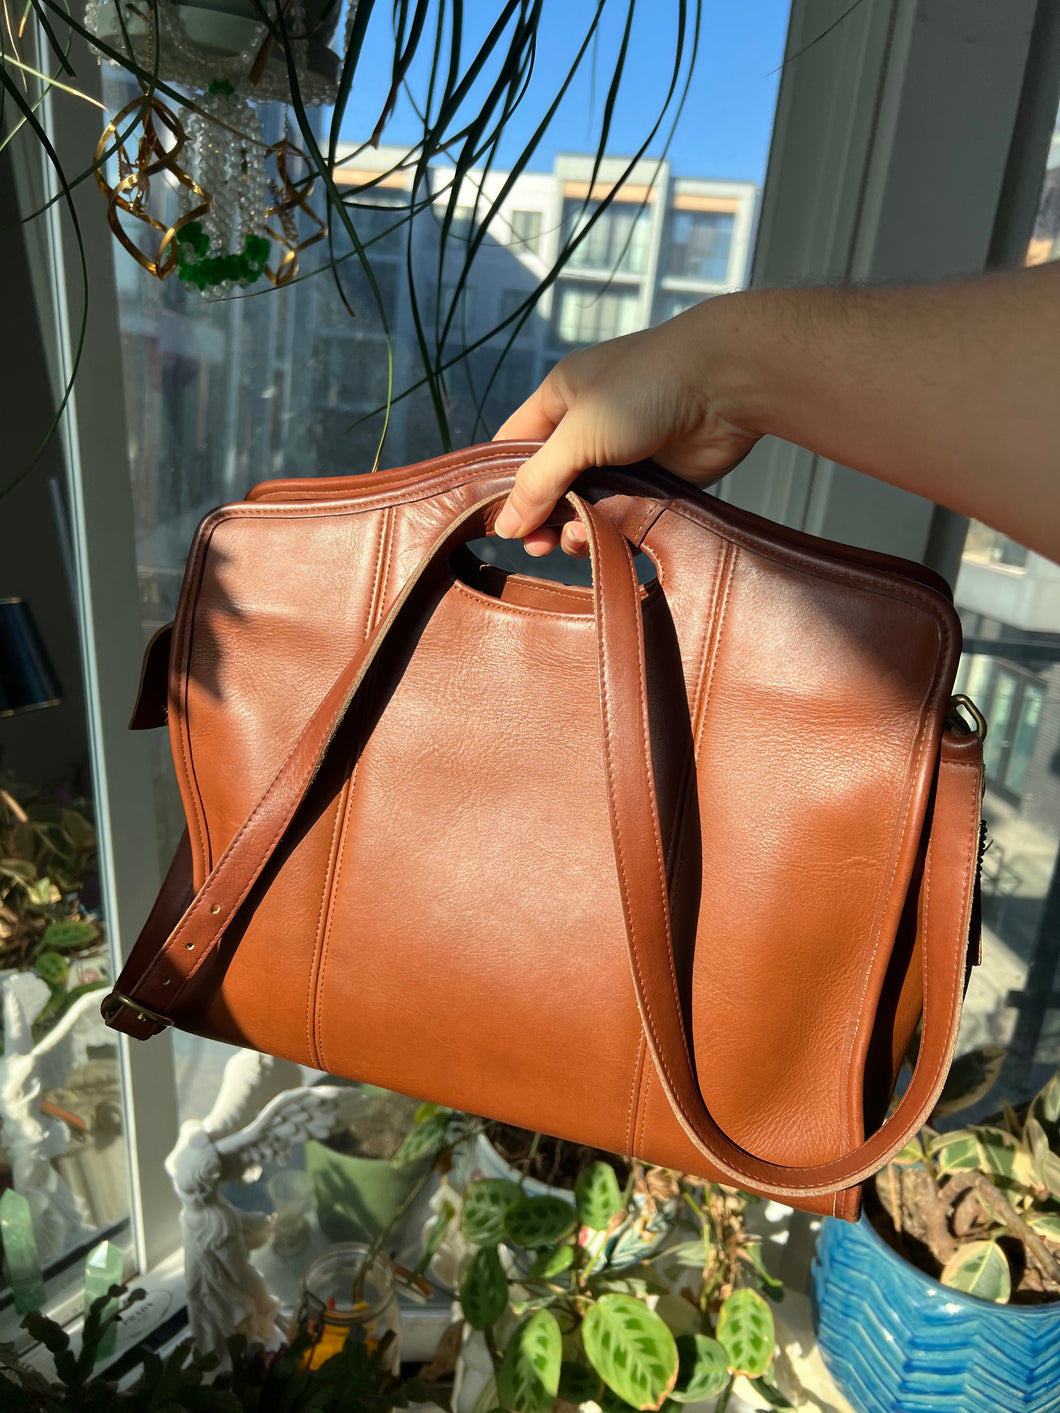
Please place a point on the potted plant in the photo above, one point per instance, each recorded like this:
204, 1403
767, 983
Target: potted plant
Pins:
549, 1315
949, 1287
356, 1378
359, 1191
48, 919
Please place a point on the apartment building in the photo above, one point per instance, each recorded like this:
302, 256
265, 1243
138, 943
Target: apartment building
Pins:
661, 245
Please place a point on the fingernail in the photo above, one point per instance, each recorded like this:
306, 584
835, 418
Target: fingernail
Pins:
576, 531
507, 523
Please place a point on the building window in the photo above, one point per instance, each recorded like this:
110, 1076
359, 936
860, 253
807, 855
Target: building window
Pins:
526, 230
700, 243
615, 239
587, 314
509, 302
462, 305
1011, 699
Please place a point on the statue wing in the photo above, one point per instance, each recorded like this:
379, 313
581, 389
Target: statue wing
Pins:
24, 996
66, 1044
250, 1080
290, 1118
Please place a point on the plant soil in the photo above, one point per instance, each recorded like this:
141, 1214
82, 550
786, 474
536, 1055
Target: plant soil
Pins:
912, 1240
553, 1160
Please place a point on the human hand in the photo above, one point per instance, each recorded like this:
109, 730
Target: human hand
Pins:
652, 394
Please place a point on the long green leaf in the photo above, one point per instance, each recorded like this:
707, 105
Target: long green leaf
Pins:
745, 1328
539, 1221
631, 1349
703, 1371
597, 1196
528, 1376
484, 1289
486, 1201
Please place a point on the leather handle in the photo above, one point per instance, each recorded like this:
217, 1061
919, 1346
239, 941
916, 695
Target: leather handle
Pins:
160, 966
639, 858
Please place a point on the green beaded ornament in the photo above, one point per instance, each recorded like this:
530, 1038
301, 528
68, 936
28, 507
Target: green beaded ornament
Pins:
196, 266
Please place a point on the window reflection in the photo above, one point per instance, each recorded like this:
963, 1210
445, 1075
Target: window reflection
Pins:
1009, 602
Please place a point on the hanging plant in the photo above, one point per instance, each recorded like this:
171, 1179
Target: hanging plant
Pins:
194, 191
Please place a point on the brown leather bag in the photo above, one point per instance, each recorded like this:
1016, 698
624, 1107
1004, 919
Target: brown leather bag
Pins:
671, 869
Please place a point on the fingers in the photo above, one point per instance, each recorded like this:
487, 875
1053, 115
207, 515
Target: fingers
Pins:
540, 542
539, 483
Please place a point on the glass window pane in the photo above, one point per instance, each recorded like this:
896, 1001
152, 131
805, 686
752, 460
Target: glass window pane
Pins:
1024, 738
63, 1157
1009, 601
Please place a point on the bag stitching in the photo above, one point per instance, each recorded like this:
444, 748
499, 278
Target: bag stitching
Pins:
375, 613
187, 630
630, 1113
323, 924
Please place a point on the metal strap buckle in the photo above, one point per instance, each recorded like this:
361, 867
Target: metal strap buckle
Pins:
961, 703
115, 1002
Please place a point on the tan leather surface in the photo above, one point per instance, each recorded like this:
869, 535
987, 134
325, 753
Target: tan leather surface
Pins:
657, 906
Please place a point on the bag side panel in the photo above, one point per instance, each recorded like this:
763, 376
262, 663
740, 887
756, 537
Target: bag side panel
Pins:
276, 607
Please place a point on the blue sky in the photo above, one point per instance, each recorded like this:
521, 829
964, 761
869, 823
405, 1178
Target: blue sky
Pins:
723, 131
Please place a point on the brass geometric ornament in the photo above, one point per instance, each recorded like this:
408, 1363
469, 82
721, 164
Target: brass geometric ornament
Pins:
161, 140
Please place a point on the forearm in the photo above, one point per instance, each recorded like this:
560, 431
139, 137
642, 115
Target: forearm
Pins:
951, 391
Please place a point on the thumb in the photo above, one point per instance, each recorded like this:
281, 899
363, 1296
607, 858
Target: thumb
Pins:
540, 482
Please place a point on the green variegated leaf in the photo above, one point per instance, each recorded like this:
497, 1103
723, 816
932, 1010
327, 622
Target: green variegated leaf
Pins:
1046, 1224
1045, 1106
687, 1253
597, 1196
423, 1140
484, 1289
979, 1269
539, 1221
1049, 1171
911, 1155
745, 1328
552, 1262
970, 1079
1036, 1139
61, 936
52, 967
703, 1370
631, 1349
482, 1220
1004, 1157
955, 1152
528, 1377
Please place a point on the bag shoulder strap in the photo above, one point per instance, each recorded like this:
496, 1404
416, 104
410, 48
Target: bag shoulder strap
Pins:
185, 926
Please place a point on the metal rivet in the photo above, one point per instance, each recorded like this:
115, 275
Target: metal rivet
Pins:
216, 908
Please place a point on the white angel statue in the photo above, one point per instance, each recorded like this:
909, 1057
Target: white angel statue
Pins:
30, 1138
226, 1294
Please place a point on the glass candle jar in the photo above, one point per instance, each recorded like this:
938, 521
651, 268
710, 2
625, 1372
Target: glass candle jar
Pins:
348, 1293
291, 1191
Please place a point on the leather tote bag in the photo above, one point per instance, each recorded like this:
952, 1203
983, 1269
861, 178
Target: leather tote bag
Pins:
670, 868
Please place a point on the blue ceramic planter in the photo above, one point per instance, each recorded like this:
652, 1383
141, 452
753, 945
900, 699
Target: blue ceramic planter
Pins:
896, 1341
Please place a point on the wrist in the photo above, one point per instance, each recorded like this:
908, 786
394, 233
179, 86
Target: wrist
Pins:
731, 343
